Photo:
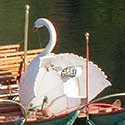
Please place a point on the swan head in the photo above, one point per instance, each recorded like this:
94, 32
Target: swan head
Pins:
39, 23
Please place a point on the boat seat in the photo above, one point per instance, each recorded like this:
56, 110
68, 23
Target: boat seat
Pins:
11, 69
9, 48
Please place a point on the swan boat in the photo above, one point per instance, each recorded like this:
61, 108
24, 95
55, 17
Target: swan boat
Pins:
55, 83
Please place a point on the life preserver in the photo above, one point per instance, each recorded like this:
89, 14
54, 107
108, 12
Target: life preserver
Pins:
100, 108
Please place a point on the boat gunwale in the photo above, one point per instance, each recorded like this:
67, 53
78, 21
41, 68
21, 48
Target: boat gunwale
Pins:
107, 113
56, 116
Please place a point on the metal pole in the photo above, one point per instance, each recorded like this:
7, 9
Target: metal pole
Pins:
87, 67
27, 7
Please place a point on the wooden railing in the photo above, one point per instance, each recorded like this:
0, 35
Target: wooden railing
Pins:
11, 69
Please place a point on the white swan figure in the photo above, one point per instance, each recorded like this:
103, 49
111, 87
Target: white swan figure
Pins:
29, 76
60, 77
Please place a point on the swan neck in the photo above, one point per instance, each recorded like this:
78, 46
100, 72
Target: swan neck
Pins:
52, 40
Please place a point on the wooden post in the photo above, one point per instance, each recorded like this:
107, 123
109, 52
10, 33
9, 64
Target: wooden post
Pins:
27, 7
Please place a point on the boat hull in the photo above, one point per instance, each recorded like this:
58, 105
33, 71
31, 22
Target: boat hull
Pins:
67, 119
18, 122
114, 118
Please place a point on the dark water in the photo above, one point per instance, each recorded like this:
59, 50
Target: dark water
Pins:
104, 19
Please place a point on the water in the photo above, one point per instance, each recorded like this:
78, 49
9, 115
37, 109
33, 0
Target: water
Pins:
104, 19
